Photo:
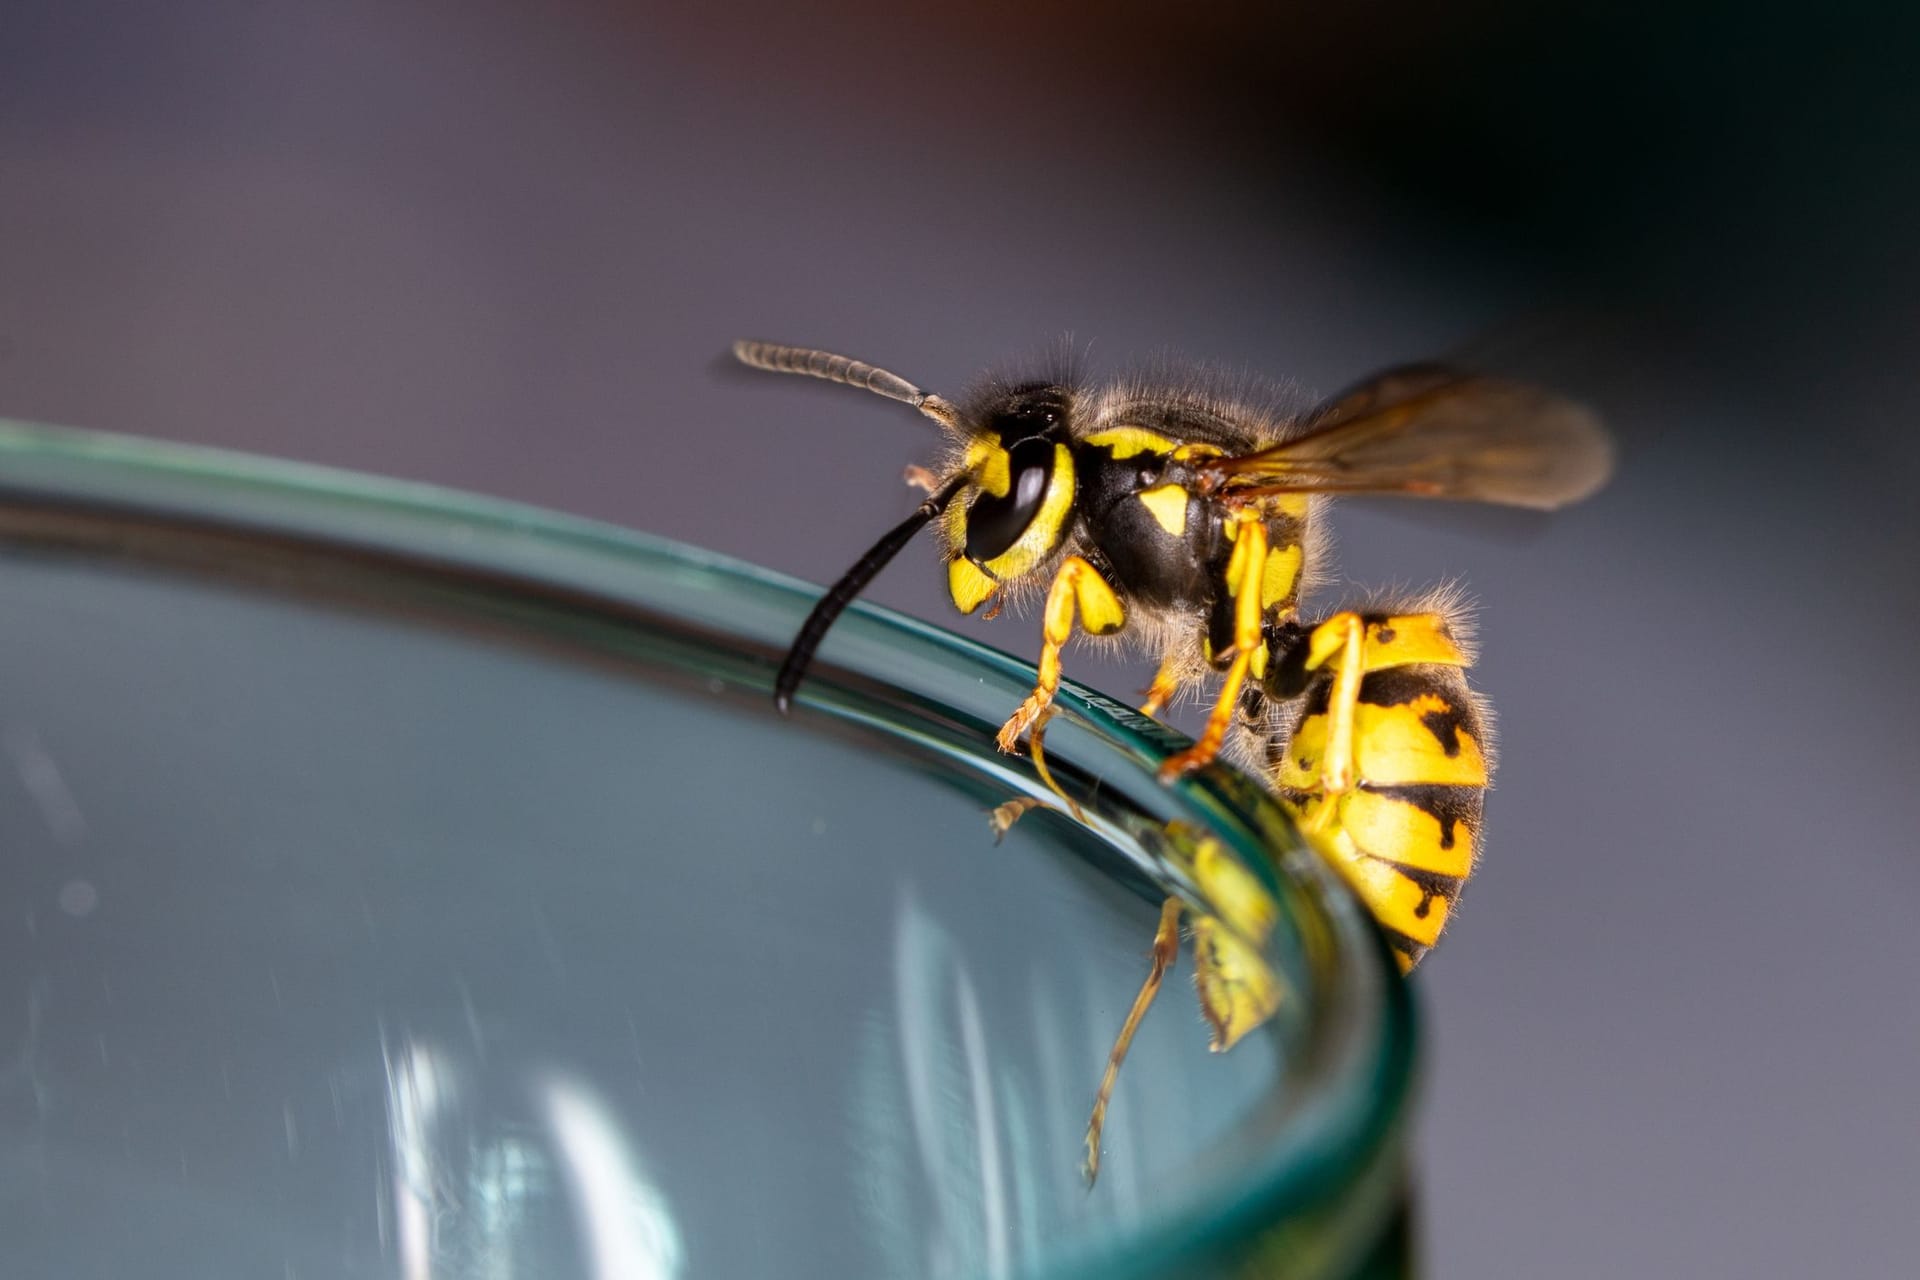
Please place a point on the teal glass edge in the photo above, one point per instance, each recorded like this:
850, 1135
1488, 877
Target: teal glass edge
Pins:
1314, 1205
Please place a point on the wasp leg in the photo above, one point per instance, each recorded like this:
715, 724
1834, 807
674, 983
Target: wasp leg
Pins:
1341, 640
1036, 747
1235, 984
1238, 989
1077, 586
1001, 817
1166, 949
1388, 774
1243, 579
1166, 682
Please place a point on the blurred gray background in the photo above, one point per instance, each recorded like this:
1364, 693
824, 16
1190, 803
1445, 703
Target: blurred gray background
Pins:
500, 247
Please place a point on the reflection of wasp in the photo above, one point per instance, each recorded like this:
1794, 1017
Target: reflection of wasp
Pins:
1185, 520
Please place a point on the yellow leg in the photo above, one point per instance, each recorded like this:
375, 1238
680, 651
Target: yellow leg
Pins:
1001, 817
1036, 747
1244, 571
1077, 588
1341, 640
1238, 989
1166, 949
1166, 683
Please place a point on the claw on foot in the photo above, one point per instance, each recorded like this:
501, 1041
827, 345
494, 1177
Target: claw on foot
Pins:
1185, 762
1002, 817
1020, 721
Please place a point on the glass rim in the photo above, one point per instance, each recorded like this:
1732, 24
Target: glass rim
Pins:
1337, 1134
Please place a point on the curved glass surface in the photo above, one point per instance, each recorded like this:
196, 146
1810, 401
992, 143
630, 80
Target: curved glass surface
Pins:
400, 883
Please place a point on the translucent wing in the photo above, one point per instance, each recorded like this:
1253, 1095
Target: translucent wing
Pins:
1433, 432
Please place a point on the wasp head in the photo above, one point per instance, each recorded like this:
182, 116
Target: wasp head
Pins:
1020, 467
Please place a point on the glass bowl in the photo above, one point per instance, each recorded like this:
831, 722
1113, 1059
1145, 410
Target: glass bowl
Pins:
406, 884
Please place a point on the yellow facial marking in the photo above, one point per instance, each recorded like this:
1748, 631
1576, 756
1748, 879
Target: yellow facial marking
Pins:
1280, 575
1168, 506
989, 462
967, 585
1049, 523
1124, 442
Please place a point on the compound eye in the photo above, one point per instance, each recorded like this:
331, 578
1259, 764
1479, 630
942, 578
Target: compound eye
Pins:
994, 524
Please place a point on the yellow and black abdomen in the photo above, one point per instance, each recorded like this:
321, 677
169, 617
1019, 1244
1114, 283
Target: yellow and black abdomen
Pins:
1402, 822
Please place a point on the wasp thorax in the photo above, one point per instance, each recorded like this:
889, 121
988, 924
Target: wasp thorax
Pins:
1024, 430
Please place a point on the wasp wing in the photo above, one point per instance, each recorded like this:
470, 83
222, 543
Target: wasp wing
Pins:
1434, 432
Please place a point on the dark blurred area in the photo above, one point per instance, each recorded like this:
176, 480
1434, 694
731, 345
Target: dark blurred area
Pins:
503, 248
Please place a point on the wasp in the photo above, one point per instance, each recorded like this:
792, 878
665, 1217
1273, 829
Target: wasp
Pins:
1188, 522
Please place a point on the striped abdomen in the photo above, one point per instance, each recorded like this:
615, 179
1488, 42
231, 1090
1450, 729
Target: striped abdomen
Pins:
1406, 832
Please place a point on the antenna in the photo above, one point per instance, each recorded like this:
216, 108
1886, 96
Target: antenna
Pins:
814, 363
851, 584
